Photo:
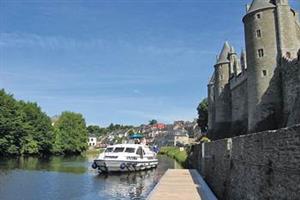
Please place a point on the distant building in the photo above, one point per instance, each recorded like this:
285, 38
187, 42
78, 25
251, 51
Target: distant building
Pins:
159, 126
181, 138
178, 124
54, 119
119, 133
165, 139
192, 128
92, 142
178, 137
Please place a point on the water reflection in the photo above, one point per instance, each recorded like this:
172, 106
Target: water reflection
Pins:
73, 178
126, 185
69, 164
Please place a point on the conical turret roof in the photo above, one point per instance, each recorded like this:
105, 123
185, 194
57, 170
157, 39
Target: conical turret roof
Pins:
260, 4
232, 50
223, 58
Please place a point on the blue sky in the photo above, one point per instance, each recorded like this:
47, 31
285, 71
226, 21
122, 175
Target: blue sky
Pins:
116, 61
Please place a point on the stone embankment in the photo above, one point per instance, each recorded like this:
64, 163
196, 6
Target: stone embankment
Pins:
263, 165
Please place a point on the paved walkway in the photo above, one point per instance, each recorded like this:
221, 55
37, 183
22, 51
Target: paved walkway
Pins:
181, 184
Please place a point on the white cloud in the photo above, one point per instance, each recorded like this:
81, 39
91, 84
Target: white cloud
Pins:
19, 40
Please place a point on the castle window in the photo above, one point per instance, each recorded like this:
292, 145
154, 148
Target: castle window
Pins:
264, 73
221, 89
258, 33
260, 53
258, 16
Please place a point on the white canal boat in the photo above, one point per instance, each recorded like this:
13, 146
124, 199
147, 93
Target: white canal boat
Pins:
126, 158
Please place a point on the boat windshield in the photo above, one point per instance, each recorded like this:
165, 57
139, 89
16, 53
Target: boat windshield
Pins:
110, 149
130, 150
119, 149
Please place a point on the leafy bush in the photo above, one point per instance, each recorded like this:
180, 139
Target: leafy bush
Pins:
174, 152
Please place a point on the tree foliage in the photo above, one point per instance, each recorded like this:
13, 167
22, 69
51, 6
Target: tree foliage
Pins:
41, 131
70, 134
24, 128
152, 122
131, 132
203, 115
96, 130
114, 127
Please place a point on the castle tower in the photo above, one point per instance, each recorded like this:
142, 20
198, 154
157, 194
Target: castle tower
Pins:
221, 89
288, 27
222, 69
211, 103
231, 58
261, 48
243, 61
235, 67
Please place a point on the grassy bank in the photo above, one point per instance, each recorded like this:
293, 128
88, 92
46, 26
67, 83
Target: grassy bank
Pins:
93, 151
175, 153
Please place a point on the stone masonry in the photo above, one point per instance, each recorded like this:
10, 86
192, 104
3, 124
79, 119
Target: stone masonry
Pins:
263, 165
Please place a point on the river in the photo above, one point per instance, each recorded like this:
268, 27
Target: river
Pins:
72, 178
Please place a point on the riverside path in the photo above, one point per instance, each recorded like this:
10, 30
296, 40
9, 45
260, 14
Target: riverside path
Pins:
181, 184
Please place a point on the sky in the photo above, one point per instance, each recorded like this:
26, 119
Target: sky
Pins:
123, 62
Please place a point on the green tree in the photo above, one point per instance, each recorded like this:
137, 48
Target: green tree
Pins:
203, 115
70, 134
113, 127
131, 132
152, 122
96, 130
12, 125
40, 136
24, 128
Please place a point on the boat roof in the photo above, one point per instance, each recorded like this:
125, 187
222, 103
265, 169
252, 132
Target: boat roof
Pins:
136, 136
127, 145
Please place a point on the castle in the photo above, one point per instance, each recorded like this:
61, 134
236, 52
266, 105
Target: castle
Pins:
260, 89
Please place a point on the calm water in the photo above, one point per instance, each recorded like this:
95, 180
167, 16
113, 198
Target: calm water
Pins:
73, 178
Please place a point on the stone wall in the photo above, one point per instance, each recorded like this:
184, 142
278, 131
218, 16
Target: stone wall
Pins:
290, 75
239, 105
263, 165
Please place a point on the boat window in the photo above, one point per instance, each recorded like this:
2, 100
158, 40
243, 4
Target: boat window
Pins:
110, 149
130, 150
140, 151
119, 149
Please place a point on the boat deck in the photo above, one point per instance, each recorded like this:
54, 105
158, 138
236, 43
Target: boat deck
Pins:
181, 184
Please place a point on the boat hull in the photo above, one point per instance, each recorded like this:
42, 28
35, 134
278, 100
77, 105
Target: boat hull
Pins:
124, 165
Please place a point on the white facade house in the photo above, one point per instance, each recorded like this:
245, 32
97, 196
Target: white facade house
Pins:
181, 137
92, 140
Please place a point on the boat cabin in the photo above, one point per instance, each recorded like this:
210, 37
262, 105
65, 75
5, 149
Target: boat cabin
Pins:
132, 149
